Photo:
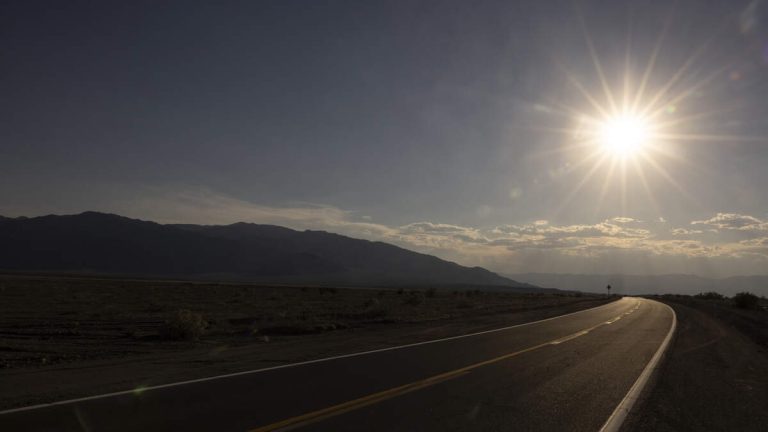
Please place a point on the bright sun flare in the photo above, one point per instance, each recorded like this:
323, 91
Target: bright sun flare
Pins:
623, 136
627, 128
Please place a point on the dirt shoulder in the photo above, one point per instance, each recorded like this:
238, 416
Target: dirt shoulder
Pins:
62, 339
715, 374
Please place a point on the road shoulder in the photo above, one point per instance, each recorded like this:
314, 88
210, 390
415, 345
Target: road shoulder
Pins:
713, 378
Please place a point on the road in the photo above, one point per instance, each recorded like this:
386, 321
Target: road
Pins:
564, 373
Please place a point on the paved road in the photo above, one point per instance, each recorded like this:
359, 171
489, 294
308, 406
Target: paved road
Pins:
565, 373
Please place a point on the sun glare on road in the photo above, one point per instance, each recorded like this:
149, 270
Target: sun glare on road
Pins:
623, 136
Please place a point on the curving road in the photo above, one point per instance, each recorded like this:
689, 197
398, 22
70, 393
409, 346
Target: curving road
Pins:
564, 373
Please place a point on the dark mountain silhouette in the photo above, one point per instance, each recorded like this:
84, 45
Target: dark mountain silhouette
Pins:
648, 284
104, 243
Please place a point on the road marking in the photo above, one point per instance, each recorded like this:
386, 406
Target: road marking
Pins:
622, 315
312, 417
567, 338
614, 422
345, 407
271, 368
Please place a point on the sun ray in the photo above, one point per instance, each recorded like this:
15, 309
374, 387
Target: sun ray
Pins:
623, 164
596, 63
584, 92
652, 112
627, 63
668, 177
712, 137
650, 106
651, 63
604, 188
649, 133
681, 120
646, 187
581, 183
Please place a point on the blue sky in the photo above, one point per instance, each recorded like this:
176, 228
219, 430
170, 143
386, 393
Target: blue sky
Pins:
451, 128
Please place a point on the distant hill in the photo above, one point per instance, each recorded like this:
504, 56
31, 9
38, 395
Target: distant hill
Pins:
104, 243
652, 284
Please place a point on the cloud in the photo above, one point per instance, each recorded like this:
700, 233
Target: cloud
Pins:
603, 229
433, 228
618, 244
623, 220
204, 206
684, 232
734, 221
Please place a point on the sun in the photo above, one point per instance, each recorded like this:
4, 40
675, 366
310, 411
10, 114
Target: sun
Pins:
623, 136
631, 127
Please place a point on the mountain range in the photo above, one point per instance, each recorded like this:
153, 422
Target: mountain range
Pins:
93, 242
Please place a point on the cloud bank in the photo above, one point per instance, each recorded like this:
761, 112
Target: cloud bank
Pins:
725, 244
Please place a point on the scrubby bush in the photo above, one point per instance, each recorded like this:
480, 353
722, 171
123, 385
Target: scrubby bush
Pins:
710, 295
431, 292
184, 325
746, 300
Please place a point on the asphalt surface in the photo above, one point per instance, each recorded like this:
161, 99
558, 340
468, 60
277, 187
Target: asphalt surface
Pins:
566, 373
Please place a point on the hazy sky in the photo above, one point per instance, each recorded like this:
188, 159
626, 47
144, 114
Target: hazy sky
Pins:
453, 128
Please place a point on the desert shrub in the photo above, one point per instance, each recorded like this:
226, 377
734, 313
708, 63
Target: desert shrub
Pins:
400, 291
431, 292
746, 300
184, 325
710, 295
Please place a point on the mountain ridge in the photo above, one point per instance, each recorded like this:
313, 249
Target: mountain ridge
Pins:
94, 242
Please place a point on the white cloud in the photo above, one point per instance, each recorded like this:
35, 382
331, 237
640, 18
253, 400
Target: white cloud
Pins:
619, 244
734, 221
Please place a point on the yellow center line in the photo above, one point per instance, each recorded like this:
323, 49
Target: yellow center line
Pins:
321, 414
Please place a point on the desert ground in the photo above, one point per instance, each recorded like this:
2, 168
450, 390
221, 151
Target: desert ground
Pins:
715, 374
64, 337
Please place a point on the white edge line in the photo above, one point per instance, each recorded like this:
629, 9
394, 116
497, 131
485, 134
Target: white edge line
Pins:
235, 374
614, 422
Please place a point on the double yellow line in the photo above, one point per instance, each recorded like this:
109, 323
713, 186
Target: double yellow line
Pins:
315, 416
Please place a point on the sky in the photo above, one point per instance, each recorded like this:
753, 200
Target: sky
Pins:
474, 131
